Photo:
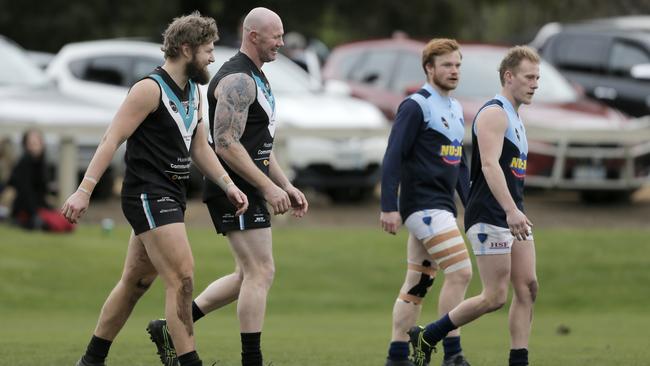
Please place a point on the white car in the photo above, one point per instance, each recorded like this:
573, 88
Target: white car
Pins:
328, 140
29, 100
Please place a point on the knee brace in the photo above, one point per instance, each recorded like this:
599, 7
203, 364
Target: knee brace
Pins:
419, 291
449, 251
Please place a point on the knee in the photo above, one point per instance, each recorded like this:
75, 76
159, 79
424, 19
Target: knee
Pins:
526, 291
262, 273
494, 301
460, 277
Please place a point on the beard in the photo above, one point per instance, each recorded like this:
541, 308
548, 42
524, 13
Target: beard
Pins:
196, 73
442, 84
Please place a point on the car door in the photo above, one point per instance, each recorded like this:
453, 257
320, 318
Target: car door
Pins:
632, 94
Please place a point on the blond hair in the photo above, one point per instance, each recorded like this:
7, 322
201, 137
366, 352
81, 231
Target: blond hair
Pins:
514, 57
437, 47
193, 30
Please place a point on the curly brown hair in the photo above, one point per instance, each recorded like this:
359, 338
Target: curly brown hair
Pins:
193, 30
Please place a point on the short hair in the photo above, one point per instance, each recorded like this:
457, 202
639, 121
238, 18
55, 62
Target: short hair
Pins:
192, 29
514, 57
438, 47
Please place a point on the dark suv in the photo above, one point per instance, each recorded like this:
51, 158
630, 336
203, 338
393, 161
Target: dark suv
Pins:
610, 60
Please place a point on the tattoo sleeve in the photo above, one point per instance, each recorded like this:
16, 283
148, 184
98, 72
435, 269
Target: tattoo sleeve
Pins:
235, 94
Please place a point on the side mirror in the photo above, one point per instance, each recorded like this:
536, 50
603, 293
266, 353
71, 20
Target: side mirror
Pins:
641, 71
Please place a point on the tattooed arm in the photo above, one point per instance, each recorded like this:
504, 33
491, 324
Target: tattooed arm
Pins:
141, 100
235, 93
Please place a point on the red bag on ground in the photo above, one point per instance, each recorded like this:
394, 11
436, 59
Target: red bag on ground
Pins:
54, 221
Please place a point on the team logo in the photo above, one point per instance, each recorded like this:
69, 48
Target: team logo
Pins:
265, 162
444, 122
173, 106
451, 154
518, 166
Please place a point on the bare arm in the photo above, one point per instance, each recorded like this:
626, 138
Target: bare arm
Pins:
235, 93
141, 100
206, 160
491, 126
299, 202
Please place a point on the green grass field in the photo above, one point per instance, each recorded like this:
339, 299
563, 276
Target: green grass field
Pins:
331, 301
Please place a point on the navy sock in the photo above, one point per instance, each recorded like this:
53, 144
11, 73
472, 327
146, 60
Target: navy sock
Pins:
251, 354
452, 346
97, 350
196, 312
190, 359
437, 330
518, 357
398, 351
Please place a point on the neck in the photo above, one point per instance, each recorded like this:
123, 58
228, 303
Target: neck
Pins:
511, 99
250, 51
176, 71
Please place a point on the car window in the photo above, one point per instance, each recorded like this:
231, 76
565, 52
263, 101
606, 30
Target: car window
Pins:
375, 68
346, 63
113, 70
580, 52
16, 69
625, 55
409, 72
142, 66
480, 78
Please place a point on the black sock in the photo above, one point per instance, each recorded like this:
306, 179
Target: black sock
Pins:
437, 330
251, 355
196, 312
452, 346
518, 357
190, 359
398, 351
97, 350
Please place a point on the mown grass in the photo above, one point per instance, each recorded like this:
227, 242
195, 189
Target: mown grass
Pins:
330, 303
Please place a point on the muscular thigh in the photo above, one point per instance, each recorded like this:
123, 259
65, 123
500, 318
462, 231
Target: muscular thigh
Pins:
169, 249
251, 246
137, 265
523, 260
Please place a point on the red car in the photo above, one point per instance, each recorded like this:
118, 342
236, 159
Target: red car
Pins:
574, 142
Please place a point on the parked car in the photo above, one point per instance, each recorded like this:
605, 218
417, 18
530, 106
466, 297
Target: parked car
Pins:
575, 143
328, 141
609, 58
28, 99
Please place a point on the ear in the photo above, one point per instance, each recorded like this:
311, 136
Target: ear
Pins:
430, 68
186, 50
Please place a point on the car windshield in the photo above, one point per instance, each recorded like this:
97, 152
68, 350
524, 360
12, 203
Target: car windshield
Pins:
284, 76
16, 69
477, 65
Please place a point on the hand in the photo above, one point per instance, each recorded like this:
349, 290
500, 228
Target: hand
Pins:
390, 221
75, 206
518, 224
237, 198
277, 198
299, 204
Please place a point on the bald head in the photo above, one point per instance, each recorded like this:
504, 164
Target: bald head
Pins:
260, 19
262, 36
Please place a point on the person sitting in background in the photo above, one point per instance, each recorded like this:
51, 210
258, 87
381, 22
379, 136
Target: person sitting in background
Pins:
28, 179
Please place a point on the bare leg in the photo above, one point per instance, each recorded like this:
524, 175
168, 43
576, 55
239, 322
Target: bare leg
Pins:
221, 292
524, 283
170, 253
254, 255
137, 276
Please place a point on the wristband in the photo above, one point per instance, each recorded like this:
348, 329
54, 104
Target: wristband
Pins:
224, 182
84, 190
90, 179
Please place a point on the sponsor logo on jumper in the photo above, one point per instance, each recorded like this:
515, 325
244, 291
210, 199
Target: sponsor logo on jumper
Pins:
451, 154
173, 106
518, 166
